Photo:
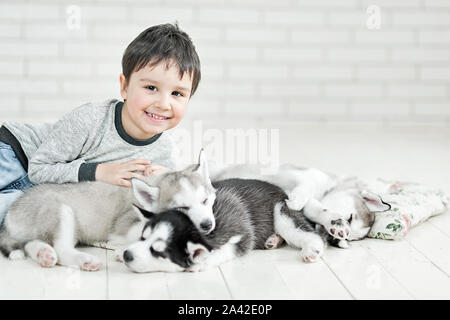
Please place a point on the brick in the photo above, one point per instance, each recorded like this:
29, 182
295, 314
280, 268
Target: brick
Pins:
10, 30
29, 11
203, 33
223, 52
289, 90
321, 37
110, 69
113, 31
263, 35
393, 3
436, 4
357, 18
418, 55
228, 15
327, 3
103, 89
434, 37
96, 13
54, 31
225, 89
432, 108
318, 108
293, 54
384, 37
356, 54
28, 86
420, 19
385, 73
321, 72
58, 68
28, 49
254, 107
259, 72
382, 107
416, 91
435, 73
353, 90
293, 17
12, 68
94, 50
159, 14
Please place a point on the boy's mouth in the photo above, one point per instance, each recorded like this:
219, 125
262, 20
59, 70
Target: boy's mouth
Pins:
156, 116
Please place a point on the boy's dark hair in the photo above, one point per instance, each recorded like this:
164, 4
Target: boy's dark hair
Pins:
162, 42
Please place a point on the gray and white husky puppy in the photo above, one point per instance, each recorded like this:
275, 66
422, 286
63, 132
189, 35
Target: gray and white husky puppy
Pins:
247, 214
334, 203
49, 220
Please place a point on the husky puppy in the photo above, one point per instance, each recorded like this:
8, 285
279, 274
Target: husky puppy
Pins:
336, 204
247, 213
49, 220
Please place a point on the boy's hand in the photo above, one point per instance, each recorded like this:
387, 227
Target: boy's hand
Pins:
154, 169
120, 173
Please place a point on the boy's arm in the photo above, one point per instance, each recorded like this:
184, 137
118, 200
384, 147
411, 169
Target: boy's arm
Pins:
57, 159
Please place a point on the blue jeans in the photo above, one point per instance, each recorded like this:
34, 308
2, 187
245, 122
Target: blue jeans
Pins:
13, 179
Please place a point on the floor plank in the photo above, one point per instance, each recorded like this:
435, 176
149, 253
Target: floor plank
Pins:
433, 244
207, 284
413, 270
126, 285
311, 281
25, 279
362, 275
255, 276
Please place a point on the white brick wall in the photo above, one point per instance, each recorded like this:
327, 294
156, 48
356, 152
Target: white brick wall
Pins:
293, 60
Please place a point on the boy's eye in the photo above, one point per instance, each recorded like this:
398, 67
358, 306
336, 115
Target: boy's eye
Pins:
177, 93
152, 88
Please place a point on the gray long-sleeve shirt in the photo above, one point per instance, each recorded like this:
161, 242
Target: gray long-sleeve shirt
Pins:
71, 149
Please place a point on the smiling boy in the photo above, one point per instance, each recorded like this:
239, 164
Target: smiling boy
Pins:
113, 141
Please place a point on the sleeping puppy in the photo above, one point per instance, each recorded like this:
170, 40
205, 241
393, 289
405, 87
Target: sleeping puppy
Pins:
337, 205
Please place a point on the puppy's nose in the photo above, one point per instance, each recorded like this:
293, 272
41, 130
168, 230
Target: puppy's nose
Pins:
206, 225
127, 256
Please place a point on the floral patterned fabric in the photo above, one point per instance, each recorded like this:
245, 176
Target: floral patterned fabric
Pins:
411, 204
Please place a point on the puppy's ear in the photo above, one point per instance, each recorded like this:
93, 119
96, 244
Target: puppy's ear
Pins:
374, 202
147, 196
197, 252
202, 166
145, 213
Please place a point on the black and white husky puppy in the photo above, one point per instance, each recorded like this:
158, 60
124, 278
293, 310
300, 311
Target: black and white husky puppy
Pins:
337, 204
247, 214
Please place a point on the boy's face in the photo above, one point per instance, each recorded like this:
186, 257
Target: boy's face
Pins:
156, 99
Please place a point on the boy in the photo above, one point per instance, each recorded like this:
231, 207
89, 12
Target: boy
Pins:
113, 141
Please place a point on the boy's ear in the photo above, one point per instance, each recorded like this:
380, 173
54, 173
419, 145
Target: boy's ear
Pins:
123, 86
146, 195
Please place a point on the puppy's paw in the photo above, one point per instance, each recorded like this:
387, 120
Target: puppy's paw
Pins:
312, 251
88, 262
47, 257
273, 242
343, 244
199, 267
296, 202
16, 255
339, 229
118, 255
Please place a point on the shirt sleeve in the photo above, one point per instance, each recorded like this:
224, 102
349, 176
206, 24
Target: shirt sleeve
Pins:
57, 160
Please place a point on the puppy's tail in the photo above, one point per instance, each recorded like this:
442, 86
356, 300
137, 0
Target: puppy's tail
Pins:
7, 243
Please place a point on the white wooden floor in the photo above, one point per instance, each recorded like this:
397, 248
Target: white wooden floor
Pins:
417, 267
